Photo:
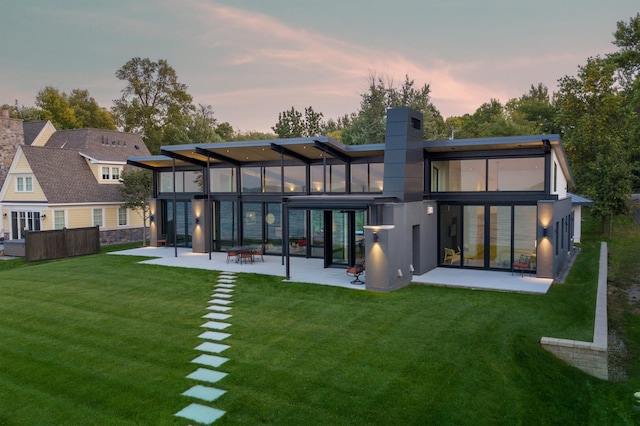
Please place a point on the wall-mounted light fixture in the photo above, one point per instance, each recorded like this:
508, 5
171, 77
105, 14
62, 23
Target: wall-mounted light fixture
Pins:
5, 215
375, 237
197, 220
545, 232
43, 216
151, 218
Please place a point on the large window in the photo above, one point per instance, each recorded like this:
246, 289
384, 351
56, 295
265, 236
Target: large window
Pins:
499, 174
186, 181
367, 177
295, 179
111, 173
334, 179
251, 178
223, 180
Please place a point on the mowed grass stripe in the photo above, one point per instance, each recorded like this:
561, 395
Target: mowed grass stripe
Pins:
100, 343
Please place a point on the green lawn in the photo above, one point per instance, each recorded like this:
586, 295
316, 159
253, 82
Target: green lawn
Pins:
103, 340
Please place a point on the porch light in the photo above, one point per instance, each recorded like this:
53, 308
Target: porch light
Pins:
375, 236
197, 220
42, 216
545, 232
151, 218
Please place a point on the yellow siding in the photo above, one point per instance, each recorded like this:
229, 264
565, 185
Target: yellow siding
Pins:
96, 169
42, 139
80, 217
12, 195
23, 165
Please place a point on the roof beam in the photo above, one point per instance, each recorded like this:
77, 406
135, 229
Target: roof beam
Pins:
183, 158
285, 151
332, 151
218, 157
141, 165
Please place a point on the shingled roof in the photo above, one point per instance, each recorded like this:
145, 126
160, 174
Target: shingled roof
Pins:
66, 177
32, 129
99, 144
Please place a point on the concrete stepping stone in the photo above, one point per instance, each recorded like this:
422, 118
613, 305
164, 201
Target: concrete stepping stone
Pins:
225, 285
219, 308
200, 413
210, 360
217, 316
205, 375
220, 302
215, 325
215, 348
214, 335
205, 393
221, 296
224, 290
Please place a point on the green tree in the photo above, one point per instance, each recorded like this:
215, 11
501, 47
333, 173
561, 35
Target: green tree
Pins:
87, 111
369, 125
593, 122
202, 126
152, 101
225, 131
55, 107
534, 111
136, 189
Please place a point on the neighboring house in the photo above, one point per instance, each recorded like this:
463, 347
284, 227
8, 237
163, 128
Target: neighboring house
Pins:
576, 207
406, 206
69, 179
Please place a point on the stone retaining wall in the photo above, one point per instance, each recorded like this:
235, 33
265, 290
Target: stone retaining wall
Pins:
119, 236
590, 357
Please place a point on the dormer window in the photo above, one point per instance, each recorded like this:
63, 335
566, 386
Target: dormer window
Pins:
111, 173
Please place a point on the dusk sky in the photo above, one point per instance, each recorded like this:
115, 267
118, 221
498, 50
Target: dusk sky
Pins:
251, 59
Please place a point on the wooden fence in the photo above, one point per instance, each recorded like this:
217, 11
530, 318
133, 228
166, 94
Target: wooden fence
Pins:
45, 245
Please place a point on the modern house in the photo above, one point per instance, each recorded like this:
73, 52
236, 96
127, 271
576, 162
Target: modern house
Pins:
406, 206
66, 179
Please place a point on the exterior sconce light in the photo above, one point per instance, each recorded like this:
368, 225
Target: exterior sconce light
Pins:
42, 216
545, 232
151, 218
375, 237
197, 220
5, 215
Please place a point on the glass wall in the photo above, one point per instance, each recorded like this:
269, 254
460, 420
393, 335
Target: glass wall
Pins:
178, 230
295, 179
367, 177
505, 174
500, 237
228, 228
450, 235
252, 225
273, 228
298, 232
524, 232
272, 179
189, 181
473, 237
251, 178
223, 180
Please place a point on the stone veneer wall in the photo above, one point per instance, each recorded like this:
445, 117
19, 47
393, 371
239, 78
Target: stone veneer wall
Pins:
11, 135
119, 236
590, 357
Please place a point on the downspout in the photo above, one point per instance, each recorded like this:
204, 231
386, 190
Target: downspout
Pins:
175, 221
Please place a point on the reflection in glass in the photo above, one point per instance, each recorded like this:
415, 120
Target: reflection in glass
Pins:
223, 180
474, 254
295, 178
450, 235
500, 237
516, 174
524, 232
251, 179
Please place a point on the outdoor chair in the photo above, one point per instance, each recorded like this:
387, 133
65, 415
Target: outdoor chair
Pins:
522, 264
246, 256
450, 255
162, 241
356, 271
232, 254
259, 251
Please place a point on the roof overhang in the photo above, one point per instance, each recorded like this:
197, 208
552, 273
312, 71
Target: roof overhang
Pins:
302, 150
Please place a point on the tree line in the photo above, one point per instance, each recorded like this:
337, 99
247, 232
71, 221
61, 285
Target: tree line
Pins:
596, 112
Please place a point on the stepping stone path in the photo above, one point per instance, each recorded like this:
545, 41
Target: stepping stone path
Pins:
209, 354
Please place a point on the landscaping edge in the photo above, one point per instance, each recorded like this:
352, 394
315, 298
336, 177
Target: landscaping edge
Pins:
590, 357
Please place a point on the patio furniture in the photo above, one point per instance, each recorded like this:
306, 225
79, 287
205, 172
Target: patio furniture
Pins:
522, 264
232, 253
450, 255
246, 255
356, 271
258, 251
162, 241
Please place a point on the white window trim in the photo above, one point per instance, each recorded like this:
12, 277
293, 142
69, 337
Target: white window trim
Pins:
111, 177
126, 216
93, 218
53, 218
23, 178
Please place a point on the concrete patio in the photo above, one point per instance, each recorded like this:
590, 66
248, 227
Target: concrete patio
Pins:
312, 271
